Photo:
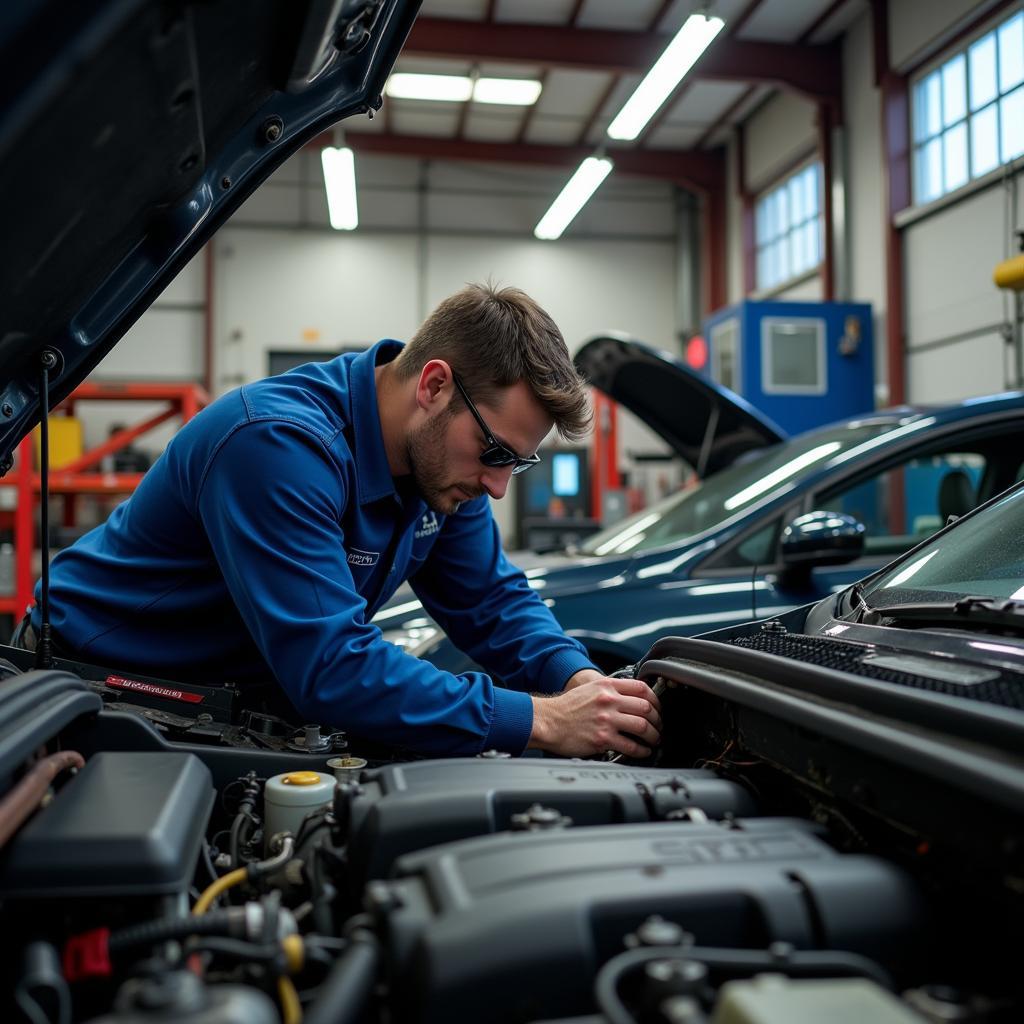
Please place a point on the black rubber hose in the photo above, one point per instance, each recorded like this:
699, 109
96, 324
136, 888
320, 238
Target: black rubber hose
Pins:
242, 819
347, 988
216, 922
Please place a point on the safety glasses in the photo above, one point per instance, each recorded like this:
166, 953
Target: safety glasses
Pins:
496, 455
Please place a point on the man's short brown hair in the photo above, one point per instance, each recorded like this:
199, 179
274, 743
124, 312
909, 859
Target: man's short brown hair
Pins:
494, 338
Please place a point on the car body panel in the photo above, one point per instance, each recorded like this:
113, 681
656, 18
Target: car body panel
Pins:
618, 605
705, 423
105, 210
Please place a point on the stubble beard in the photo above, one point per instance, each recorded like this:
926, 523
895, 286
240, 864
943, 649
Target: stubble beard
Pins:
426, 452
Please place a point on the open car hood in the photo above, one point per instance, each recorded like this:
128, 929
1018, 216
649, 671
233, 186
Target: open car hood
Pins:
129, 132
708, 425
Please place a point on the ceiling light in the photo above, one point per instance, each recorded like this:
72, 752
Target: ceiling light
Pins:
679, 56
340, 182
513, 92
446, 88
578, 189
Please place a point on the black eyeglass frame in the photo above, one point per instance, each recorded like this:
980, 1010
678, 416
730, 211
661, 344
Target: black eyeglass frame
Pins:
496, 455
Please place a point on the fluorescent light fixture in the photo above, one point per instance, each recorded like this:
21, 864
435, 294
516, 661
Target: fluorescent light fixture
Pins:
445, 88
340, 182
512, 92
578, 189
680, 55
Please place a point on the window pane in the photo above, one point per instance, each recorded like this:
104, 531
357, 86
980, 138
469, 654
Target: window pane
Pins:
811, 187
1011, 53
1011, 117
954, 90
814, 240
782, 270
796, 199
763, 269
983, 71
761, 222
984, 141
929, 171
797, 261
928, 107
782, 208
955, 157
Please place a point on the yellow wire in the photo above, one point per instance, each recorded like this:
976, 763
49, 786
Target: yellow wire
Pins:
291, 1008
232, 878
294, 953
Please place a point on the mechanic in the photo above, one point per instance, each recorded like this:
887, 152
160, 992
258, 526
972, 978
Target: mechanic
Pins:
280, 519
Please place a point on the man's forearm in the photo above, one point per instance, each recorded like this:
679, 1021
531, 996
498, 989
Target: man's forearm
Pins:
584, 675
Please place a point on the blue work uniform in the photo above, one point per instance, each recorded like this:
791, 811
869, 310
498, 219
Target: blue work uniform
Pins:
264, 539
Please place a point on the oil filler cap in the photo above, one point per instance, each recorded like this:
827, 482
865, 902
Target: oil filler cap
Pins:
301, 779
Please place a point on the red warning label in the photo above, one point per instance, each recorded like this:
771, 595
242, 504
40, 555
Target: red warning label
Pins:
120, 683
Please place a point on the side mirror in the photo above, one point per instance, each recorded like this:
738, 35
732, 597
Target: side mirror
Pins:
822, 538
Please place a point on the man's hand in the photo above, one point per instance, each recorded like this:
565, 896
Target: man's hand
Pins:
590, 716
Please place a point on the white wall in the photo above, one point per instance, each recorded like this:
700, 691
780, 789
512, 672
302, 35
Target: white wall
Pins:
949, 292
862, 111
781, 131
917, 29
734, 224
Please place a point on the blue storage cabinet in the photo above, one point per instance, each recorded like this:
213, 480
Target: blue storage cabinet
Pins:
803, 364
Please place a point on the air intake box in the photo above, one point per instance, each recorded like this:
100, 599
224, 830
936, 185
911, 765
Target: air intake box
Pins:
408, 807
127, 824
514, 927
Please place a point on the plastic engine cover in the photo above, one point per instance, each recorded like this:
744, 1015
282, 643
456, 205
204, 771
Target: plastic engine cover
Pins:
514, 927
127, 824
408, 807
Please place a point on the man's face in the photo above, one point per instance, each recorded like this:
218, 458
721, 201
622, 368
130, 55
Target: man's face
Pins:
444, 451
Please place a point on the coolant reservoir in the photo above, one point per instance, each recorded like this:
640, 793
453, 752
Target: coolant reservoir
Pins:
288, 798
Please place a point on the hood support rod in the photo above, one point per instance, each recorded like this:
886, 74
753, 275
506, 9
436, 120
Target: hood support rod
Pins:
44, 648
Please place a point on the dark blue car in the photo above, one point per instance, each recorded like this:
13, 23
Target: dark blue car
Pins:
775, 522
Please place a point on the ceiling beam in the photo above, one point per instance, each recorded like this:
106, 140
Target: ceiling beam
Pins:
700, 172
812, 71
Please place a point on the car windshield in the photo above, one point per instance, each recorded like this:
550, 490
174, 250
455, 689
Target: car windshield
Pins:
735, 488
984, 557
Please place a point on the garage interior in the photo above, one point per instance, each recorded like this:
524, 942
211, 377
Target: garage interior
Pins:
909, 208
794, 537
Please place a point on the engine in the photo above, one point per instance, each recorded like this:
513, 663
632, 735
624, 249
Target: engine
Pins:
144, 879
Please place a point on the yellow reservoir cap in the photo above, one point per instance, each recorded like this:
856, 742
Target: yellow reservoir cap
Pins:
1010, 273
301, 779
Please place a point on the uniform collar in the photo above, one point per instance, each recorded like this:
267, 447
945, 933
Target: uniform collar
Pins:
373, 474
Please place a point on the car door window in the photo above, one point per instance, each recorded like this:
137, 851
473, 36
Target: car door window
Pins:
904, 504
757, 548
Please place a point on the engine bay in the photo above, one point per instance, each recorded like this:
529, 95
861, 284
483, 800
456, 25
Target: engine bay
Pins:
786, 856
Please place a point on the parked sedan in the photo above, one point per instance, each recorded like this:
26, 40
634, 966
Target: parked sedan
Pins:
775, 522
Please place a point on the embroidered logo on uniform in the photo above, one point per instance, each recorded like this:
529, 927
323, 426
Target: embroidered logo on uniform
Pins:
357, 557
428, 525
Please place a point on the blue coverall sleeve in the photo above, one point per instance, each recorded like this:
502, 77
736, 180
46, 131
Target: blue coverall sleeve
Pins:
488, 609
271, 504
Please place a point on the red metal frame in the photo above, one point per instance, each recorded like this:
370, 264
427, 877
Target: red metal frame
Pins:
82, 476
812, 71
604, 451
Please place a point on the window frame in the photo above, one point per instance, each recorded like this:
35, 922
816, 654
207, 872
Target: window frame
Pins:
782, 183
936, 66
